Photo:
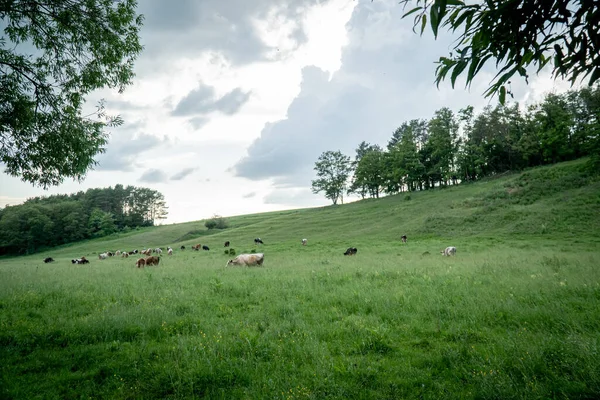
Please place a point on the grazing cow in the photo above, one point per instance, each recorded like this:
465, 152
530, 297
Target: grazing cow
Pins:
304, 241
257, 241
158, 250
146, 252
81, 260
182, 247
205, 247
247, 259
152, 260
351, 251
108, 253
125, 254
197, 247
117, 253
170, 251
140, 263
48, 260
227, 243
102, 256
404, 238
449, 251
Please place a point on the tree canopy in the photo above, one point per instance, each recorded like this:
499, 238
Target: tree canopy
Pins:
52, 55
333, 169
516, 34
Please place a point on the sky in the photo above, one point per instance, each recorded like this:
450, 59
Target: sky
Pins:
234, 100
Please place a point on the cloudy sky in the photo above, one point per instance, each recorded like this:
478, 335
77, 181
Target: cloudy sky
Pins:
234, 100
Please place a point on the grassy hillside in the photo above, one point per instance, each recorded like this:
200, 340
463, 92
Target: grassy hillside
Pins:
515, 314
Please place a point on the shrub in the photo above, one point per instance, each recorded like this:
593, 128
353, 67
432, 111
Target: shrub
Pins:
232, 252
216, 222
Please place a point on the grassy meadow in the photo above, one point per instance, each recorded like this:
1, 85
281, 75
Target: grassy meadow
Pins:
515, 314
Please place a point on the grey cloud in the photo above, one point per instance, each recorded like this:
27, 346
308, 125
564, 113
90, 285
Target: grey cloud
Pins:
153, 175
198, 122
196, 101
386, 78
182, 174
231, 102
226, 26
202, 101
249, 195
125, 146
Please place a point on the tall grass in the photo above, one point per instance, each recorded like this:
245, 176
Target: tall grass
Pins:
515, 314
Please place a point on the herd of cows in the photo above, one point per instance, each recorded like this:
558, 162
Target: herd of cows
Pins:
242, 259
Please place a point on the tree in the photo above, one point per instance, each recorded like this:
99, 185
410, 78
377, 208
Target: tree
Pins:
333, 169
81, 46
359, 185
369, 173
516, 34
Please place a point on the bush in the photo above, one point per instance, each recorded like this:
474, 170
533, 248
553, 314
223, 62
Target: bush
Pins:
232, 252
216, 222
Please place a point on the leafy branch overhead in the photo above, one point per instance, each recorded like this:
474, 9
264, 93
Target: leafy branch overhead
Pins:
516, 34
76, 47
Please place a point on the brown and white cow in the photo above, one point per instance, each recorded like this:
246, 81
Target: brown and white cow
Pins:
247, 259
140, 263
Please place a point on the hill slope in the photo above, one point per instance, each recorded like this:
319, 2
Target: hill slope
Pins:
550, 202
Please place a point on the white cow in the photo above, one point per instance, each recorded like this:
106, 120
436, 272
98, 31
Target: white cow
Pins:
449, 251
247, 259
170, 251
102, 256
304, 241
158, 250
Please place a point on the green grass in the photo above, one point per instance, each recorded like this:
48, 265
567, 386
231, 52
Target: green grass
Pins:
515, 314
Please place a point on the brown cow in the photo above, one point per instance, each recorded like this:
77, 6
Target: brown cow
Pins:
152, 260
140, 263
197, 247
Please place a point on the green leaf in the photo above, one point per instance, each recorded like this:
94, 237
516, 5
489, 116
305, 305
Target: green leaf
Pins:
502, 96
423, 23
412, 11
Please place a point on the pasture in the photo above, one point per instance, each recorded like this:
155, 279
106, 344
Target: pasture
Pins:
515, 314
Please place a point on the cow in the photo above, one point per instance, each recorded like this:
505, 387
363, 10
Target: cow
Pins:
304, 241
247, 259
117, 253
140, 263
102, 256
170, 251
146, 252
205, 248
81, 260
48, 260
182, 248
351, 251
197, 247
125, 254
227, 244
152, 260
258, 241
404, 238
449, 251
158, 250
108, 253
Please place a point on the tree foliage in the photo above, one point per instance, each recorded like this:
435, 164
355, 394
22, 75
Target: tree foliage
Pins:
333, 170
52, 55
451, 148
59, 219
516, 34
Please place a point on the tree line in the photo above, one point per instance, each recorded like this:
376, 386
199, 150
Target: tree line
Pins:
59, 219
456, 147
